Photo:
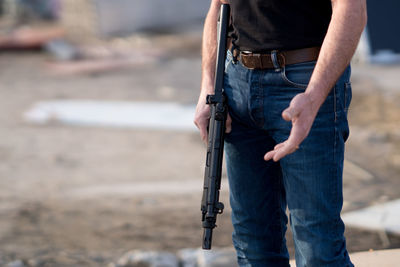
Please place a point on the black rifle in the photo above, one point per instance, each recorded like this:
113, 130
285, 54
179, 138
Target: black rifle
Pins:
210, 205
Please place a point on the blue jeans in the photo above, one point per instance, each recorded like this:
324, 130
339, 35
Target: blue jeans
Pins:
308, 182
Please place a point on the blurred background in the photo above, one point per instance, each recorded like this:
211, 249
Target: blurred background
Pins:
99, 159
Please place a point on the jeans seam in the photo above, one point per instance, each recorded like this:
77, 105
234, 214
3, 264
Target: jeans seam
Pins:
334, 103
345, 96
256, 114
278, 210
261, 99
347, 88
335, 158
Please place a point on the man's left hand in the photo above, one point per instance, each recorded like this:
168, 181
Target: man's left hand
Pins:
301, 113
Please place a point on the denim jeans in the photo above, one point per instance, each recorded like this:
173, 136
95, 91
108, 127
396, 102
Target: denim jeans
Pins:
308, 182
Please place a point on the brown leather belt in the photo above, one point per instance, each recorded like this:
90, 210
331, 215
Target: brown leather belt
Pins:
265, 60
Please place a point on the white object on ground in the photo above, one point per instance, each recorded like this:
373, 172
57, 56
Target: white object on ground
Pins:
151, 115
381, 258
383, 217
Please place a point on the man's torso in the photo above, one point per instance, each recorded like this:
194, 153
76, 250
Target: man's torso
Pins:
264, 25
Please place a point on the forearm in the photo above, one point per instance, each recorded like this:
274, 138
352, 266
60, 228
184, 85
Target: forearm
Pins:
347, 23
209, 49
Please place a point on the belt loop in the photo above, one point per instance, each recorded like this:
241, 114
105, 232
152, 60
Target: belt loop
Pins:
275, 62
235, 53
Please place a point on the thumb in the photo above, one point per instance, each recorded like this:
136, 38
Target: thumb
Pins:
293, 111
289, 114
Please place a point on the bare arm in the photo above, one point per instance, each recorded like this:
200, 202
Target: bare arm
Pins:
347, 23
209, 54
209, 48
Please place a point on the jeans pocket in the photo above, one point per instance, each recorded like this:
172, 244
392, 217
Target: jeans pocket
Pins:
298, 75
292, 83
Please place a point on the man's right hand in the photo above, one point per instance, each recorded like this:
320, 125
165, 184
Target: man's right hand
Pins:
202, 118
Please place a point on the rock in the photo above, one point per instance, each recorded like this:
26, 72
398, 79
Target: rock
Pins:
223, 257
140, 258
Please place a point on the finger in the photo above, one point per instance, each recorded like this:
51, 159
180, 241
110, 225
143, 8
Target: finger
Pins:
204, 133
283, 151
202, 126
297, 134
279, 145
280, 151
269, 155
228, 124
205, 138
197, 124
289, 146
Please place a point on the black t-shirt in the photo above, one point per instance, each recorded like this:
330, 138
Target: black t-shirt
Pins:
264, 25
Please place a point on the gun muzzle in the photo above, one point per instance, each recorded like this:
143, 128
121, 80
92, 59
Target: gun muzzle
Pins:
207, 237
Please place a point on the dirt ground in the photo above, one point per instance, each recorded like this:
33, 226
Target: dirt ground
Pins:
67, 194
